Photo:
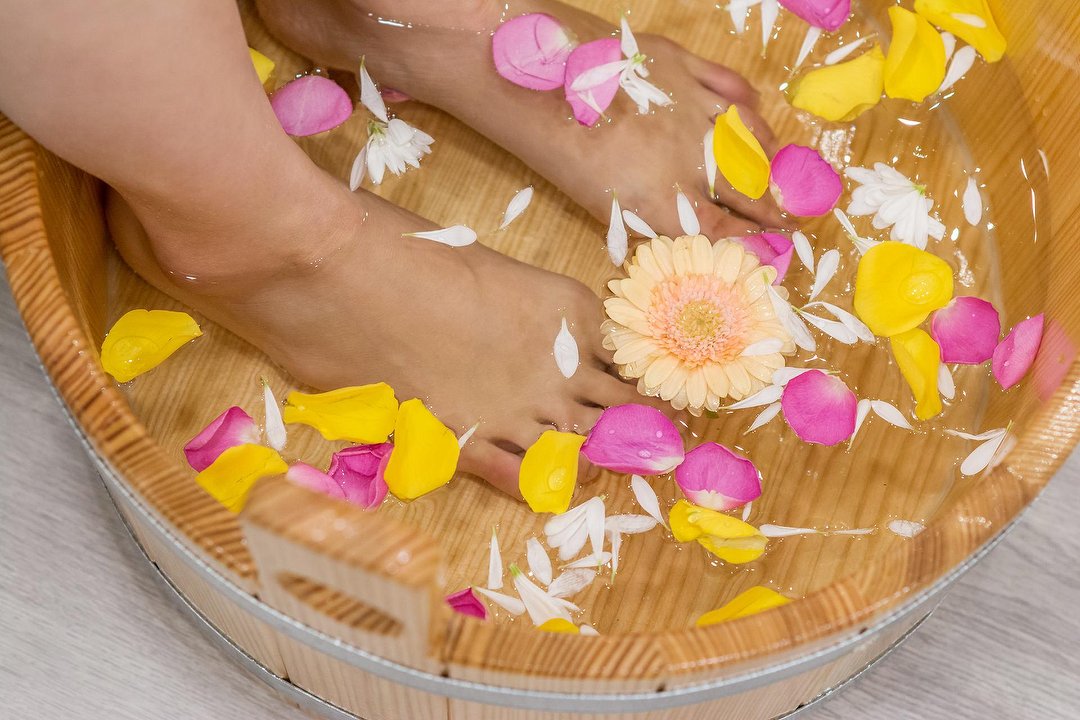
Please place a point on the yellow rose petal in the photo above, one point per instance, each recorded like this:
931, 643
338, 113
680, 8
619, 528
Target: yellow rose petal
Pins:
425, 453
230, 477
729, 538
898, 285
749, 602
264, 66
549, 471
142, 339
915, 65
362, 414
918, 357
559, 625
843, 91
735, 550
739, 156
969, 20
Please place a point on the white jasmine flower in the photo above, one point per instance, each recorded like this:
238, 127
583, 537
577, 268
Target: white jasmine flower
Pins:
631, 71
393, 144
896, 202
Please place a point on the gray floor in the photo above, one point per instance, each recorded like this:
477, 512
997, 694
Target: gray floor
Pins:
85, 632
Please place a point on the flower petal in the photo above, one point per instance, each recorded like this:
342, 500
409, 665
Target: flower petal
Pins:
730, 539
466, 603
862, 409
749, 602
898, 285
588, 109
945, 383
359, 167
310, 105
771, 249
843, 51
616, 235
981, 457
275, 426
826, 14
646, 498
230, 478
803, 249
531, 51
710, 162
559, 625
361, 414
539, 562
143, 339
549, 471
571, 582
425, 453
1015, 354
764, 417
958, 67
360, 471
803, 183
972, 200
370, 97
638, 225
967, 330
565, 351
540, 606
495, 564
636, 439
312, 478
714, 477
629, 524
905, 528
229, 429
819, 408
454, 236
508, 603
890, 414
688, 219
843, 91
739, 156
915, 65
826, 271
986, 38
918, 357
264, 66
517, 205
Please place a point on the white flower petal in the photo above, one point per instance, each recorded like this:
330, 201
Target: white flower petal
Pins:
803, 250
710, 162
945, 383
997, 432
949, 40
778, 531
589, 630
905, 528
688, 219
571, 582
275, 427
467, 435
853, 531
764, 417
629, 524
638, 225
746, 511
617, 243
813, 33
766, 396
968, 19
627, 41
737, 10
961, 62
973, 205
517, 205
495, 565
770, 9
539, 562
794, 325
851, 322
359, 167
616, 545
981, 457
454, 236
646, 498
510, 604
843, 51
594, 521
890, 414
593, 561
566, 352
370, 97
594, 77
862, 409
832, 328
826, 270
540, 606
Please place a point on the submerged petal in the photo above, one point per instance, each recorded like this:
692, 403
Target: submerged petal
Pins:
310, 105
956, 16
897, 285
229, 429
425, 452
360, 472
360, 414
549, 471
915, 65
967, 330
466, 603
843, 91
312, 478
531, 51
918, 357
714, 477
749, 602
825, 14
143, 339
589, 104
820, 408
1016, 353
635, 439
739, 156
803, 182
729, 538
230, 478
264, 66
771, 249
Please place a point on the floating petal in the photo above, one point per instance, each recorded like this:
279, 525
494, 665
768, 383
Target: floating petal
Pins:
230, 478
495, 564
781, 531
843, 51
739, 156
915, 65
636, 439
1015, 354
972, 200
730, 539
961, 63
918, 357
629, 524
967, 330
770, 9
688, 219
508, 603
425, 453
362, 414
825, 272
592, 561
646, 498
360, 470
589, 104
310, 105
819, 408
517, 205
835, 330
616, 235
143, 339
946, 385
370, 97
454, 236
264, 66
559, 625
890, 414
981, 457
549, 471
710, 162
571, 582
714, 477
275, 426
539, 562
826, 14
844, 91
905, 528
861, 411
803, 249
531, 51
897, 285
955, 17
764, 417
312, 478
749, 602
540, 606
358, 169
852, 323
813, 34
771, 249
638, 225
565, 351
229, 429
466, 603
803, 183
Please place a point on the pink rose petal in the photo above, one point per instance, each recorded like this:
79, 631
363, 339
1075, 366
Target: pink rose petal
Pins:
312, 478
771, 249
586, 57
466, 603
531, 51
803, 182
311, 104
635, 439
229, 429
714, 477
360, 471
1056, 355
826, 14
967, 329
1015, 354
819, 408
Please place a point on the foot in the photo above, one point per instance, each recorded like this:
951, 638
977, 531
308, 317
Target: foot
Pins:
468, 330
440, 53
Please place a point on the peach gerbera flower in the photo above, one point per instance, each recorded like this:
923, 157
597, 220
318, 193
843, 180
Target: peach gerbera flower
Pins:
694, 323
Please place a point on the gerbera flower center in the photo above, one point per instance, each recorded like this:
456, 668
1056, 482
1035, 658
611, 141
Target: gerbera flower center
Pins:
699, 319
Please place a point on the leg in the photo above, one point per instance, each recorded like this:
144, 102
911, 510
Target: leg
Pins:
225, 213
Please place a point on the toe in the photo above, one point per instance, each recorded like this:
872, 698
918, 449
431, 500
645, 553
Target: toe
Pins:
717, 222
606, 390
725, 82
494, 464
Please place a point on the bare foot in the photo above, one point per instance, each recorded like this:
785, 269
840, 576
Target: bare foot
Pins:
440, 53
468, 330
